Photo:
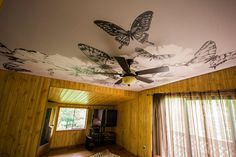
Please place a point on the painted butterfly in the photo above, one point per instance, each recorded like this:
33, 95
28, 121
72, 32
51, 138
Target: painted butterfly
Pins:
205, 53
101, 58
138, 30
19, 56
220, 59
143, 53
14, 61
97, 56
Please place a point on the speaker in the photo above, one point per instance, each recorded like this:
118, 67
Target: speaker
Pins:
89, 143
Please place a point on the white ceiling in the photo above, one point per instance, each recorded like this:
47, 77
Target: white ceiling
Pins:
54, 28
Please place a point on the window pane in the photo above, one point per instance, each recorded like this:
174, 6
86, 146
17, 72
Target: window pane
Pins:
71, 118
79, 118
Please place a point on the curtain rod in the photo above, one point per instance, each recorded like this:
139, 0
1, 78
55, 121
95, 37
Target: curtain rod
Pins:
213, 91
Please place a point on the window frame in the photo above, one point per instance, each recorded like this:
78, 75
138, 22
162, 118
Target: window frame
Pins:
80, 129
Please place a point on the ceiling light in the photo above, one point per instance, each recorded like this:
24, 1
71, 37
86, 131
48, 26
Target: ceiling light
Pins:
128, 80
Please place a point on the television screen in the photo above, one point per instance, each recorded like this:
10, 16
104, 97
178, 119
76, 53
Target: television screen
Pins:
111, 118
103, 117
98, 117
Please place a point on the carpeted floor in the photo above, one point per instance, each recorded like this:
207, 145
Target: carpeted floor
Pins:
105, 153
80, 151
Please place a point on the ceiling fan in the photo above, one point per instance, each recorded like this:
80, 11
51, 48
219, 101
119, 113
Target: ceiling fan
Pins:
129, 76
105, 62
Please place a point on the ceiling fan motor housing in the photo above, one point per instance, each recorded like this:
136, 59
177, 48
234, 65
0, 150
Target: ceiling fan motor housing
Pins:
132, 73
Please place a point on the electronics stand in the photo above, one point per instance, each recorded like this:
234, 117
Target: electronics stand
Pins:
101, 133
102, 137
99, 137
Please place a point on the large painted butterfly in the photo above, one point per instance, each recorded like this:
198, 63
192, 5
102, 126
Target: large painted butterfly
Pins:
204, 54
207, 53
99, 57
138, 30
102, 59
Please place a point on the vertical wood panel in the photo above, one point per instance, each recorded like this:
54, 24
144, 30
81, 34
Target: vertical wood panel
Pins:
128, 125
145, 126
134, 126
21, 110
38, 117
68, 138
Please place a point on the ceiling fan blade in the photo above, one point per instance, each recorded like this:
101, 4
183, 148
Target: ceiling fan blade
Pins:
153, 70
104, 73
123, 63
144, 79
119, 81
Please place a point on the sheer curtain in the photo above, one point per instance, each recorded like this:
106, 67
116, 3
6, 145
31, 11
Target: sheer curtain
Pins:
196, 124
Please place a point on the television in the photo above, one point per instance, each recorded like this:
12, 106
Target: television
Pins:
111, 118
105, 118
98, 118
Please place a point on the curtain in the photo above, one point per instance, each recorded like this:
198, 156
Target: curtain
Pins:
196, 124
156, 125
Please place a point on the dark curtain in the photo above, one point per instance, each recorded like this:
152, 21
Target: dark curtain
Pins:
156, 130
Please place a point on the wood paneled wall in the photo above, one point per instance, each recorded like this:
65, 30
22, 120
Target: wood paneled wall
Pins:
23, 100
73, 137
134, 126
128, 125
145, 127
68, 138
22, 103
134, 130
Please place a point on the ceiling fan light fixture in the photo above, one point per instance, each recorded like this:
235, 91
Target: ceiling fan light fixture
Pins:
128, 80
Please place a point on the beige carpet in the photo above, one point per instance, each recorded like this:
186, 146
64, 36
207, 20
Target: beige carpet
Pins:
105, 153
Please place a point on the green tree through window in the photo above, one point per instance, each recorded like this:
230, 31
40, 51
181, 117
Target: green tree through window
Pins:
71, 119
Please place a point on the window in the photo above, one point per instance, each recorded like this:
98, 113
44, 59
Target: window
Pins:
195, 124
71, 119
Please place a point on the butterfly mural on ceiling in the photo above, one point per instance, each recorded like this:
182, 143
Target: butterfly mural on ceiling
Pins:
108, 70
104, 60
138, 30
107, 66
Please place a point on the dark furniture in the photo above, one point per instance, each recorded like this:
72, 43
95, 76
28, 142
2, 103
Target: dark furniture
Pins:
98, 136
89, 143
102, 137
